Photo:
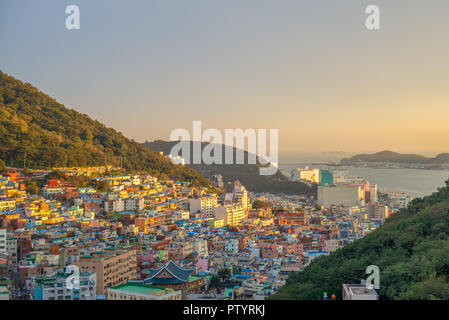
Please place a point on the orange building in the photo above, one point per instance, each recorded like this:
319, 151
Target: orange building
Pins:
294, 218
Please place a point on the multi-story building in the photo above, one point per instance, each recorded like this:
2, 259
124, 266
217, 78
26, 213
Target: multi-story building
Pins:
232, 245
11, 248
112, 267
376, 211
246, 259
306, 174
147, 222
294, 218
200, 247
4, 289
373, 197
120, 205
180, 249
3, 238
62, 285
134, 204
238, 196
206, 205
326, 178
116, 205
232, 214
348, 195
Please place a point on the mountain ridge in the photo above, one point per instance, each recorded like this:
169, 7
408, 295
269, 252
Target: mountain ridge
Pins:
37, 130
390, 156
247, 174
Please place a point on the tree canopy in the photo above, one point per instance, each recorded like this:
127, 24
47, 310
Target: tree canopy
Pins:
411, 250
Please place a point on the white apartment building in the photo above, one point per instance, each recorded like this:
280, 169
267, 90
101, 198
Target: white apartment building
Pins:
200, 247
347, 196
117, 205
11, 248
254, 251
232, 245
238, 196
120, 205
205, 205
56, 286
134, 204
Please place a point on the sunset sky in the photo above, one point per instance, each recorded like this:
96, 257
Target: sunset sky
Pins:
309, 68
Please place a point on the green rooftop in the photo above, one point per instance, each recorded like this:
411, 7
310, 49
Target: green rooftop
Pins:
143, 289
193, 278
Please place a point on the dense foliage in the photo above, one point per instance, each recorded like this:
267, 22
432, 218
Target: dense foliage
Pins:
257, 204
37, 131
411, 250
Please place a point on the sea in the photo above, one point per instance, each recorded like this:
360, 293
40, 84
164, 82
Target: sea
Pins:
416, 182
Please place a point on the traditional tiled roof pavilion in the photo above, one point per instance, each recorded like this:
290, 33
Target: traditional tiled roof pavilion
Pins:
170, 273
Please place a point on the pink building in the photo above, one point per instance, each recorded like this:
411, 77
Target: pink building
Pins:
202, 265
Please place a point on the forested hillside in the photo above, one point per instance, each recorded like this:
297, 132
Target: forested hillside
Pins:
37, 130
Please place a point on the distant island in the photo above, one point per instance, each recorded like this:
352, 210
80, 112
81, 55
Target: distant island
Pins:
390, 158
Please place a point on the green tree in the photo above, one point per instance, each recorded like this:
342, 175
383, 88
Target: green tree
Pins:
31, 187
224, 273
215, 282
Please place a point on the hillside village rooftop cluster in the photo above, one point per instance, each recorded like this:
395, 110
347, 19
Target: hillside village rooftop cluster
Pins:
146, 239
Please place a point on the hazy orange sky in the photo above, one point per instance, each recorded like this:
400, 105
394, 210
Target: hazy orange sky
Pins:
309, 68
